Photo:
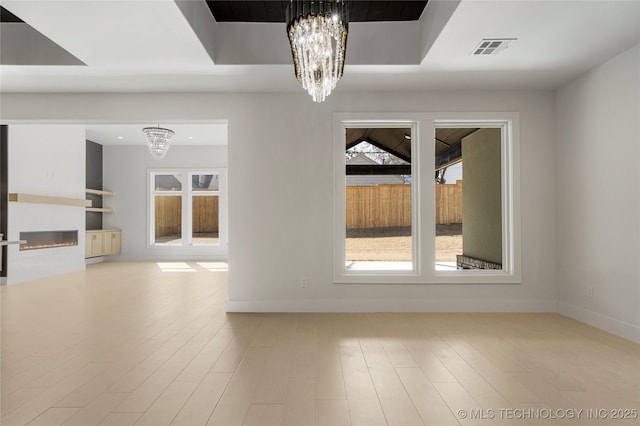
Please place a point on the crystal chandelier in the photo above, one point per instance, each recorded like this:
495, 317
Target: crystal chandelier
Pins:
318, 35
158, 140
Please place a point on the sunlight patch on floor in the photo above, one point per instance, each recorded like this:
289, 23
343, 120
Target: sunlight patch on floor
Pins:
175, 267
214, 266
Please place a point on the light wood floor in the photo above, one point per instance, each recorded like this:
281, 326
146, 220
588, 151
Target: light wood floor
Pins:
147, 344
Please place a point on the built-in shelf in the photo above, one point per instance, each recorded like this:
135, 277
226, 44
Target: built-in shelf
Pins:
43, 199
100, 209
98, 192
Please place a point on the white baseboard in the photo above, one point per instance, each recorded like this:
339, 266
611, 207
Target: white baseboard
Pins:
91, 260
604, 322
391, 305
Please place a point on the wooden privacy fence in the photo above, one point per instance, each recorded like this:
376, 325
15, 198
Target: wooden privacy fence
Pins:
205, 214
449, 203
380, 206
169, 215
386, 206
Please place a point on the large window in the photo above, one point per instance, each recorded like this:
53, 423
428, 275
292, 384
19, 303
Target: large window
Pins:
468, 198
187, 208
379, 197
427, 198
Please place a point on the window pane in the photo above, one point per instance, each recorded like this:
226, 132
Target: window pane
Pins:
469, 210
168, 182
448, 216
205, 220
205, 182
378, 199
168, 220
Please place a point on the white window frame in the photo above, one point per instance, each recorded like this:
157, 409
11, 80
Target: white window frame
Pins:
341, 123
187, 195
423, 198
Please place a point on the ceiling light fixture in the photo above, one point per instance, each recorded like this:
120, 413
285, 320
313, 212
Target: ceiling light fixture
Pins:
158, 140
317, 32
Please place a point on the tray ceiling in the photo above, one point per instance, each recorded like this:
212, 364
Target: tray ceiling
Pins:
275, 11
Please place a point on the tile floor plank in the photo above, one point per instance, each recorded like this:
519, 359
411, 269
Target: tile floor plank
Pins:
332, 412
204, 399
53, 416
13, 400
95, 412
167, 406
425, 397
264, 415
120, 419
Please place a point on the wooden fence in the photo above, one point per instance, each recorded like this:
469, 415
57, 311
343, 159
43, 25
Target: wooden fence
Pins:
385, 206
205, 214
169, 215
380, 206
449, 203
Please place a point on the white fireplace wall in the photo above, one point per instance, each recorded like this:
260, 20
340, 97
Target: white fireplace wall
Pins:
45, 160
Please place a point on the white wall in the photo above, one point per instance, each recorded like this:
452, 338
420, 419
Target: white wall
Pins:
45, 160
281, 228
598, 196
125, 173
281, 191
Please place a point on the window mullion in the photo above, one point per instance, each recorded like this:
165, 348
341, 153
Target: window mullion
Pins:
187, 203
151, 212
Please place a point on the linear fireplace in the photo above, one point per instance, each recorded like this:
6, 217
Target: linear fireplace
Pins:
48, 239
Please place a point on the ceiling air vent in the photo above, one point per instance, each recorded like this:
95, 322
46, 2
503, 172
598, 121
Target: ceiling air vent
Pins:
492, 46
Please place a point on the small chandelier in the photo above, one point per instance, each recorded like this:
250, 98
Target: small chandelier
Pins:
158, 140
318, 35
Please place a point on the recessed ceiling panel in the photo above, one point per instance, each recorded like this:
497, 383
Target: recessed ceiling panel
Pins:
275, 11
6, 16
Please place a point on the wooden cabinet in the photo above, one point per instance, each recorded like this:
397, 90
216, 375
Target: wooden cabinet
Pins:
111, 242
93, 243
102, 242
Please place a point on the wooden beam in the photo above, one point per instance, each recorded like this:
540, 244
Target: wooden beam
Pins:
43, 199
449, 164
378, 169
450, 156
443, 142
